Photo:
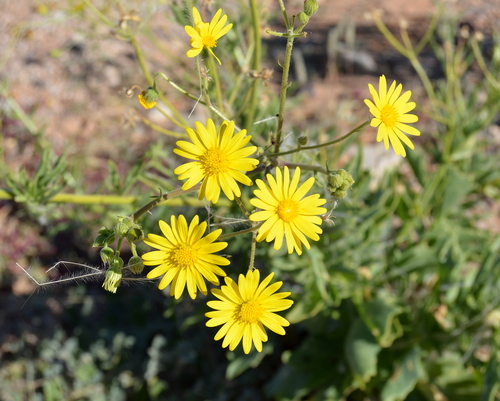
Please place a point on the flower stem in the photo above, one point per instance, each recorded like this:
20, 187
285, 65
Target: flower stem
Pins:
321, 145
253, 247
235, 234
161, 198
215, 76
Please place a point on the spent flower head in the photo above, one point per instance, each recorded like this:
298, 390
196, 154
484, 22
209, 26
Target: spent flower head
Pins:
245, 307
185, 257
220, 158
285, 211
206, 34
390, 111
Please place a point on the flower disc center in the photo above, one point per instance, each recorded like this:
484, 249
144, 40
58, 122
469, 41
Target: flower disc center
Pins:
288, 209
250, 312
183, 256
389, 115
214, 161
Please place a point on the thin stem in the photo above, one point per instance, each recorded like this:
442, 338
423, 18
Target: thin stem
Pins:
235, 234
212, 108
215, 76
357, 129
284, 87
242, 207
170, 118
256, 64
307, 167
253, 248
162, 130
159, 199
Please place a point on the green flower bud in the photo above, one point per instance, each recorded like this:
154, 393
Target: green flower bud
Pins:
303, 140
135, 233
303, 17
136, 265
339, 182
311, 7
107, 254
113, 276
124, 224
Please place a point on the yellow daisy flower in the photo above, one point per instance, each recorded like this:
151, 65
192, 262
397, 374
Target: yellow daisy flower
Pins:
220, 157
245, 308
390, 115
285, 213
148, 98
185, 257
205, 34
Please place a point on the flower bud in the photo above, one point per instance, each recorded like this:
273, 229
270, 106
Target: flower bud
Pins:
311, 7
303, 17
136, 265
339, 182
124, 224
303, 140
135, 233
113, 276
148, 98
107, 254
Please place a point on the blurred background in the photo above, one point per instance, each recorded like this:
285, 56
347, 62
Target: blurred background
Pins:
399, 300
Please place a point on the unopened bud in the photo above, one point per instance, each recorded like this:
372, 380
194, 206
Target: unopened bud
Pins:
339, 182
113, 276
303, 140
148, 98
135, 233
107, 254
311, 7
124, 224
303, 17
136, 265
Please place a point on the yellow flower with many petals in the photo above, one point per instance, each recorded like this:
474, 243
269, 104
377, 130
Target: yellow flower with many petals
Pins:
185, 257
220, 157
244, 308
206, 34
285, 211
390, 115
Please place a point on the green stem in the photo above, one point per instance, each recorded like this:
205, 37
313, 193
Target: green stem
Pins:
307, 167
212, 108
159, 199
235, 234
357, 129
256, 64
284, 87
253, 248
242, 206
215, 76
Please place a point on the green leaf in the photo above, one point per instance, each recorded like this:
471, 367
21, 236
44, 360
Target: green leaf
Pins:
405, 377
458, 185
361, 351
379, 316
491, 384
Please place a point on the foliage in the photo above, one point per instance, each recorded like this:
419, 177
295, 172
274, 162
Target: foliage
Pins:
398, 301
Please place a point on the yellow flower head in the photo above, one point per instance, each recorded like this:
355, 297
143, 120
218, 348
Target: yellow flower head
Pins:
285, 213
206, 34
185, 257
220, 157
148, 98
245, 308
390, 115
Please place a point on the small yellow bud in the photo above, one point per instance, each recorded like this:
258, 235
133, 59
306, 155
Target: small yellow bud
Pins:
148, 98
